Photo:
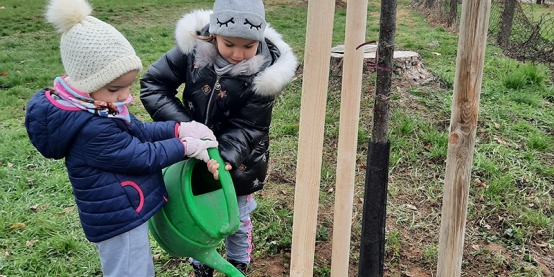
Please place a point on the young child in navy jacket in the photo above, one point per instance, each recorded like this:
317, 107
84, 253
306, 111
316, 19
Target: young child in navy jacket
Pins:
114, 161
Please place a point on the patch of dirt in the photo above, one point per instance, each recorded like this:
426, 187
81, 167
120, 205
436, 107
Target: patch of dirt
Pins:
270, 266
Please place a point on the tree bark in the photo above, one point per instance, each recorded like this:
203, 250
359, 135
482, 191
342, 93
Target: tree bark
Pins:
429, 3
453, 14
503, 38
385, 52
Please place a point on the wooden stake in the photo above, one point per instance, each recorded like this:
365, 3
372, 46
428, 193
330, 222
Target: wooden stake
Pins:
463, 122
319, 31
356, 18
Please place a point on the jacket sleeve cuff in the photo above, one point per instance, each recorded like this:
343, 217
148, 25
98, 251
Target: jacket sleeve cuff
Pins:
177, 125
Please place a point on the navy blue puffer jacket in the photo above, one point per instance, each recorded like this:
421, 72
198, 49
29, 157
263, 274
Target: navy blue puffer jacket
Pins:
115, 168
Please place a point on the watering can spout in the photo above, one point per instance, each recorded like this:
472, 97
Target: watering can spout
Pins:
211, 258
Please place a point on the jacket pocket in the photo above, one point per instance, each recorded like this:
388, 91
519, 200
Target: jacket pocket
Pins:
134, 194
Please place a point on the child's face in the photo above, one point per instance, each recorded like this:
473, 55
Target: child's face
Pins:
116, 91
235, 50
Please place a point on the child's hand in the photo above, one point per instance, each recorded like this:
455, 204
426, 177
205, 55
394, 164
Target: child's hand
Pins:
196, 130
196, 148
213, 165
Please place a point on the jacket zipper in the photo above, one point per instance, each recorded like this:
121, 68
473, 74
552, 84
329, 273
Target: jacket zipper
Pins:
217, 87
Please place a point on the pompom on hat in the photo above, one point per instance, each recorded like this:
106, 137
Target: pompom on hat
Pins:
93, 52
238, 18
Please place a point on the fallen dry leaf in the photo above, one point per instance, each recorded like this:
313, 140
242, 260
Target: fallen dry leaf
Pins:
500, 141
411, 207
35, 208
66, 211
480, 184
30, 243
4, 73
543, 245
18, 225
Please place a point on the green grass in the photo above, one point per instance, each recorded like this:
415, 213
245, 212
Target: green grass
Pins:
511, 205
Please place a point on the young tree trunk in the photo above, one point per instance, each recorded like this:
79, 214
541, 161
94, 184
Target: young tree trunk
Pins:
503, 38
372, 247
416, 3
453, 14
429, 3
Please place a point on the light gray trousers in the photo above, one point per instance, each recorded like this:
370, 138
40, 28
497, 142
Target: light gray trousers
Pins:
127, 255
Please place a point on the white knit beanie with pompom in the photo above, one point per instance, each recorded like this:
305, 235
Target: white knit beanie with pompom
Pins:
93, 52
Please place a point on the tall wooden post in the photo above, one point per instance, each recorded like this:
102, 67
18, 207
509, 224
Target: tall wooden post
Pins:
356, 18
319, 31
461, 141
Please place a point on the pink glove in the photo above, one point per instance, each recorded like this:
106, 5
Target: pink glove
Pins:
196, 148
195, 129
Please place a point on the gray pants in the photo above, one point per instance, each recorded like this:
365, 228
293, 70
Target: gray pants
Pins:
127, 255
239, 244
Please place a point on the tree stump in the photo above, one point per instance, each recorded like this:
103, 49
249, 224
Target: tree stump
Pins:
407, 64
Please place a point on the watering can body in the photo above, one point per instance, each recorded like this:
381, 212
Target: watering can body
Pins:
199, 214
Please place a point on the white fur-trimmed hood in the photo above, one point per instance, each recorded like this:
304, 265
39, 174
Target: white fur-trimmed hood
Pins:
268, 82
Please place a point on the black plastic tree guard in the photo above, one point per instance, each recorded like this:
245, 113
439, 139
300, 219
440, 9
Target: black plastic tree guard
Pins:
372, 248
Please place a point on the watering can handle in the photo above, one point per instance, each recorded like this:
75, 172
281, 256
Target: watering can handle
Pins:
230, 200
229, 194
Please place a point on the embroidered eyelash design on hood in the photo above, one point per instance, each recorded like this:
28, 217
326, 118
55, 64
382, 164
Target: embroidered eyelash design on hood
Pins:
269, 81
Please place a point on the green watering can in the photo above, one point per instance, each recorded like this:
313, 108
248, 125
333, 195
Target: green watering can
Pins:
199, 214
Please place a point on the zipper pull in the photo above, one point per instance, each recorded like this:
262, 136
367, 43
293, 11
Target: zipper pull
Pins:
217, 85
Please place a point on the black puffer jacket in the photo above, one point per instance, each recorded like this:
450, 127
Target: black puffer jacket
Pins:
236, 107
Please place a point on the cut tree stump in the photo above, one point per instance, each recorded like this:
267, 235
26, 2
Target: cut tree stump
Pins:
407, 64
